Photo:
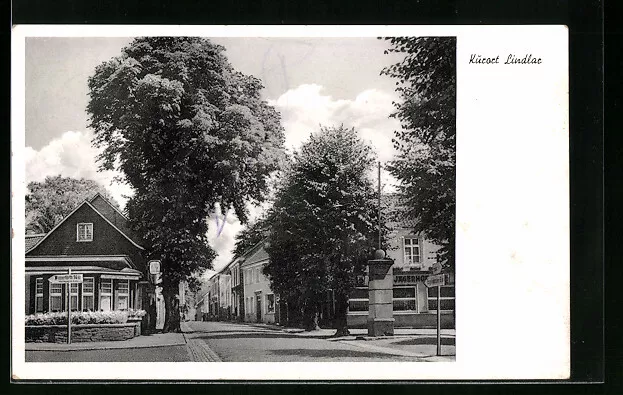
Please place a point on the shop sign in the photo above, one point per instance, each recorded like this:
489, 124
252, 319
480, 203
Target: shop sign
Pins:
406, 279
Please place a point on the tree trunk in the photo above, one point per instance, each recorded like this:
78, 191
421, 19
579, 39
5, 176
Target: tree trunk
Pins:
311, 316
172, 310
341, 310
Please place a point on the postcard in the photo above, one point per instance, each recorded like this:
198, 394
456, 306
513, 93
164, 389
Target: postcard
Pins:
318, 202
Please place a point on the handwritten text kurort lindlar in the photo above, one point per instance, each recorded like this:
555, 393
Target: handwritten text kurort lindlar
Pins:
510, 59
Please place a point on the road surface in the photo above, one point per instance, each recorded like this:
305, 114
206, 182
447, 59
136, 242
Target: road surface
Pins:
246, 343
230, 342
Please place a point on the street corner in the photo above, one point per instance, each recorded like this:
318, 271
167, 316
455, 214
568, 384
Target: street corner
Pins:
413, 346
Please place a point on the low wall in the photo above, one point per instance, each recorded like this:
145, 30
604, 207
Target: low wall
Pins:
79, 333
408, 320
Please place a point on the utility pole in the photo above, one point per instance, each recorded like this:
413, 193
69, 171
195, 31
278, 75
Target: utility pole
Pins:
379, 192
68, 288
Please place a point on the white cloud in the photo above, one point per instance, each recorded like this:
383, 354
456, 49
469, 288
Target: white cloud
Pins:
305, 108
72, 155
225, 242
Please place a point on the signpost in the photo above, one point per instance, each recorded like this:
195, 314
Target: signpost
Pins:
67, 279
154, 271
437, 280
154, 267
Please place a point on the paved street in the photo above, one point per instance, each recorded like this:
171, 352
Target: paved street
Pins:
229, 342
247, 343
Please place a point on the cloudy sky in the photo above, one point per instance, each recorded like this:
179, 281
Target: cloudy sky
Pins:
310, 81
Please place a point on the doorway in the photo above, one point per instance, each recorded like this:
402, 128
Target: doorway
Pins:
258, 306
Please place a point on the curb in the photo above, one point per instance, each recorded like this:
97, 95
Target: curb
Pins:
104, 347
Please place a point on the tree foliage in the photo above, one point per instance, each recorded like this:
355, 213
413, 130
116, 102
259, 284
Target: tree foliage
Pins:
322, 224
425, 165
187, 131
252, 234
48, 202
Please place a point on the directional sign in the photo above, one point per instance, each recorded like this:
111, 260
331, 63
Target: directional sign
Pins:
66, 278
435, 280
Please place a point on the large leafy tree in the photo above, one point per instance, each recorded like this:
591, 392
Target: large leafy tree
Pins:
187, 131
426, 144
323, 223
48, 202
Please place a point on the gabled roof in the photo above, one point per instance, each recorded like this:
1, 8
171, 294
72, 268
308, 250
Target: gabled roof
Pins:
109, 202
114, 215
250, 253
96, 211
33, 240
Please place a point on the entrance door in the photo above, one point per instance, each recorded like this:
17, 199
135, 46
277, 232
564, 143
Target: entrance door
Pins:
258, 307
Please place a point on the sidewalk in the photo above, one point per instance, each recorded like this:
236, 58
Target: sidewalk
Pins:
406, 342
143, 341
355, 333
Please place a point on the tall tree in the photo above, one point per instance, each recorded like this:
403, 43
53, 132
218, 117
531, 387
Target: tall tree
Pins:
323, 224
48, 202
426, 163
187, 131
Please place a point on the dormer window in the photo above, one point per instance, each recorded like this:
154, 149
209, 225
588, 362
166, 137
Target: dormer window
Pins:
85, 232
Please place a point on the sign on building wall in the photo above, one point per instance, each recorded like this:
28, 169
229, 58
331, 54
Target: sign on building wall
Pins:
409, 279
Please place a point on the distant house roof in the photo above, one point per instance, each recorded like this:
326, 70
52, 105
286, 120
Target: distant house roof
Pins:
33, 240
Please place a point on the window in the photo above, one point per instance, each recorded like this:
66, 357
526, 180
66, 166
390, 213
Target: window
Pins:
39, 295
446, 298
122, 294
270, 303
358, 300
73, 296
85, 232
106, 294
412, 251
405, 299
56, 297
88, 297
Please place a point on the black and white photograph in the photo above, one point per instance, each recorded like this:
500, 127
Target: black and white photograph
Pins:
195, 198
240, 199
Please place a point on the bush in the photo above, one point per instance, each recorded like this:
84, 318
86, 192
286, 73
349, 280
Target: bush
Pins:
86, 317
132, 313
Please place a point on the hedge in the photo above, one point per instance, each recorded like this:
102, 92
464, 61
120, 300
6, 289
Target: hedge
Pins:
84, 317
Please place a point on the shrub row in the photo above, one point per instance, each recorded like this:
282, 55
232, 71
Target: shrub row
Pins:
84, 317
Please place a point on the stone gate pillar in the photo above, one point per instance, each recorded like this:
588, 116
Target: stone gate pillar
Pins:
380, 296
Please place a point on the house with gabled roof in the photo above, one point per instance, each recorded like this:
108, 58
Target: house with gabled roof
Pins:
94, 240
